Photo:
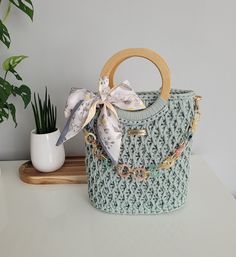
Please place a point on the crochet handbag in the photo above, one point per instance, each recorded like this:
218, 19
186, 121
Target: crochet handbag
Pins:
151, 171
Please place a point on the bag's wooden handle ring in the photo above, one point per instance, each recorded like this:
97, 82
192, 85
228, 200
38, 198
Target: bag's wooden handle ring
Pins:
111, 65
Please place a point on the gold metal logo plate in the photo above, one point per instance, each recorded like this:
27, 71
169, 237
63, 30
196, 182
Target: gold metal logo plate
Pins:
137, 132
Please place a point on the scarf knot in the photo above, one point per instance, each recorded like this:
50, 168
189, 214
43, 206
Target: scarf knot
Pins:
82, 105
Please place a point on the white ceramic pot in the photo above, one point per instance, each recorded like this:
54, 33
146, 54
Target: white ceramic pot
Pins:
45, 155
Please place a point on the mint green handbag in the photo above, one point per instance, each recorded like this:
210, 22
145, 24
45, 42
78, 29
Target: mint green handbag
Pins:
153, 169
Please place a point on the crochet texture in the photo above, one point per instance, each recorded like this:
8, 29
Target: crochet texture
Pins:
167, 190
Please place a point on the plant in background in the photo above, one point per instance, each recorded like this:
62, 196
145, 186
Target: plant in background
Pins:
7, 89
46, 155
45, 114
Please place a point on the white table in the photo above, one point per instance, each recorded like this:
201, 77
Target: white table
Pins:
57, 220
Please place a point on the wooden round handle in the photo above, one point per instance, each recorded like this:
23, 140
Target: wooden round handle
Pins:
111, 65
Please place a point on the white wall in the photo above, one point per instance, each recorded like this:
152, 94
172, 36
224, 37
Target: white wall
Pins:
69, 41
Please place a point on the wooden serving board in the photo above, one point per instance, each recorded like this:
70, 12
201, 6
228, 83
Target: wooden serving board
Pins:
72, 172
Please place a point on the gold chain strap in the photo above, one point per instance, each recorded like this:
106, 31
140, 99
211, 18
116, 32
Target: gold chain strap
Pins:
90, 139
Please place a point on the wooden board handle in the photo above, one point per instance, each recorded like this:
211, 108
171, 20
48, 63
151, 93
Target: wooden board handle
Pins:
111, 65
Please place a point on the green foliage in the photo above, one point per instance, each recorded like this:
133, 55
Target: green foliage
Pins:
25, 6
4, 35
24, 92
45, 114
7, 89
7, 109
11, 62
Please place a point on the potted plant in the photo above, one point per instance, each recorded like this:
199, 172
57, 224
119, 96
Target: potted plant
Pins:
45, 155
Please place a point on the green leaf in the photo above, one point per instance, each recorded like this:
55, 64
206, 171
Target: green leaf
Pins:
36, 114
55, 118
3, 113
42, 115
5, 90
4, 35
12, 110
24, 92
3, 97
12, 62
25, 6
15, 73
36, 117
6, 86
45, 114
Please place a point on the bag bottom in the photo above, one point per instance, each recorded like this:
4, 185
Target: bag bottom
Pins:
139, 212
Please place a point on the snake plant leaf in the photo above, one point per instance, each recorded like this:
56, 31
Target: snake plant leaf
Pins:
4, 35
24, 92
36, 114
44, 113
12, 62
37, 121
12, 110
25, 6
